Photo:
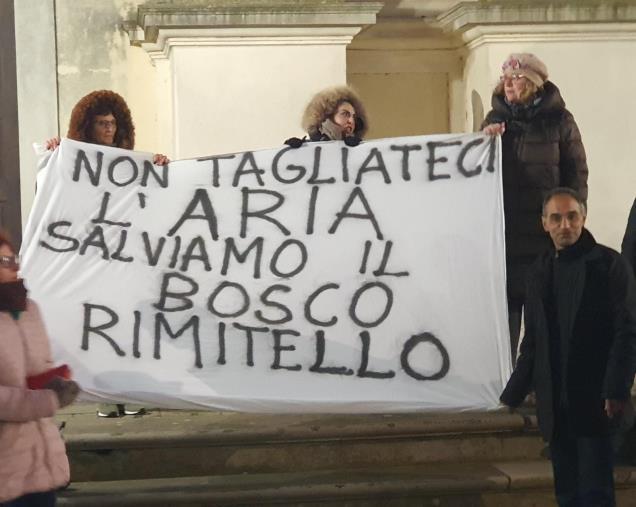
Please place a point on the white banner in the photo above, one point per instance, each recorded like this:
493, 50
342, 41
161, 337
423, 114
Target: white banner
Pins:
325, 278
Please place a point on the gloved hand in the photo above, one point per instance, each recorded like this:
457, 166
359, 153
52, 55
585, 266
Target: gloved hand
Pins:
295, 142
360, 124
66, 390
352, 140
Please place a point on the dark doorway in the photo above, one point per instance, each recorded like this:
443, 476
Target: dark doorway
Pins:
10, 216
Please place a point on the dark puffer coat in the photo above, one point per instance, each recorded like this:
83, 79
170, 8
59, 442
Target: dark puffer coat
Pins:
597, 338
542, 149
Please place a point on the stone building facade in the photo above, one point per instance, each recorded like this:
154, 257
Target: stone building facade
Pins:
218, 76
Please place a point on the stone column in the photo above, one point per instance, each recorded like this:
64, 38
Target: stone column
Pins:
9, 153
588, 47
236, 75
37, 88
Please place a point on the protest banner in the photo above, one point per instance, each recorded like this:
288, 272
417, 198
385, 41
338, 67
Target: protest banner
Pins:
325, 278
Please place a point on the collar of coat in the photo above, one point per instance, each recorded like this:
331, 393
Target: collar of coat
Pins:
551, 104
583, 246
584, 250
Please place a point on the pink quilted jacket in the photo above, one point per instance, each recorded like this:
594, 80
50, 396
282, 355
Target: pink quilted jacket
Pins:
32, 453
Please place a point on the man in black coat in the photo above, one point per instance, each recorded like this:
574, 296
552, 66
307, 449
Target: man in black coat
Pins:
579, 351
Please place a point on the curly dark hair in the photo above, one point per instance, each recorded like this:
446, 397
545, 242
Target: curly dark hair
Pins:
102, 102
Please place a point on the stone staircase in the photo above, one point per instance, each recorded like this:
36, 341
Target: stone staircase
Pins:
182, 458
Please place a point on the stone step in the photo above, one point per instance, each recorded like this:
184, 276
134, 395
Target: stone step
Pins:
166, 444
497, 484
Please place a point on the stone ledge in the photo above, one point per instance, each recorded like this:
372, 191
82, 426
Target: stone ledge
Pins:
467, 480
280, 488
153, 18
514, 12
161, 428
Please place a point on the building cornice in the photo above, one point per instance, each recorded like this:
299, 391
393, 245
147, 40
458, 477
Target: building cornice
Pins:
158, 24
467, 14
479, 35
492, 21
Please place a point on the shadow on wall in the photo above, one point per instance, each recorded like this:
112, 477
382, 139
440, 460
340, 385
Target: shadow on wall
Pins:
478, 110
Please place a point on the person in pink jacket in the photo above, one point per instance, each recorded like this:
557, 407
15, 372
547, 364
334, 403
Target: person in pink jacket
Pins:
33, 461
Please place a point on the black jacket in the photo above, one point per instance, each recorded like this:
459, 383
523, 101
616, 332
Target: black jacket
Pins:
595, 333
541, 150
628, 248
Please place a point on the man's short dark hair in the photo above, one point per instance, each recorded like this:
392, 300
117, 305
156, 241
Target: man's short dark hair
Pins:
564, 191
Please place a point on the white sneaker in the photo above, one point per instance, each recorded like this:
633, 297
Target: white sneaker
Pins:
109, 410
134, 410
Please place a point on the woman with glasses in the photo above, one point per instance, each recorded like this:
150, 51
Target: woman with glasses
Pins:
541, 150
103, 117
334, 114
33, 461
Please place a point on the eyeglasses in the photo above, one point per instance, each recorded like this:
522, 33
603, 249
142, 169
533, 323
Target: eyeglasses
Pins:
346, 115
106, 123
514, 77
9, 261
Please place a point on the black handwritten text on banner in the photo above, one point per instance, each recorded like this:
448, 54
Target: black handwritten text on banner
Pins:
324, 278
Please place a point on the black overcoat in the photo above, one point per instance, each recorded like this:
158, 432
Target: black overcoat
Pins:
600, 321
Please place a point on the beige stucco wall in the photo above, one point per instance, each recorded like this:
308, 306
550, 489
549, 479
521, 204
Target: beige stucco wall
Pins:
94, 53
406, 101
66, 49
405, 72
602, 102
237, 98
413, 77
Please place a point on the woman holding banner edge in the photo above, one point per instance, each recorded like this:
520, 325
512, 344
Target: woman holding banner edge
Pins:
103, 117
541, 150
333, 114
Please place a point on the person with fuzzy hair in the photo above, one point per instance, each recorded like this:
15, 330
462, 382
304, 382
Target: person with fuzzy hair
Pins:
33, 460
103, 117
541, 150
334, 114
